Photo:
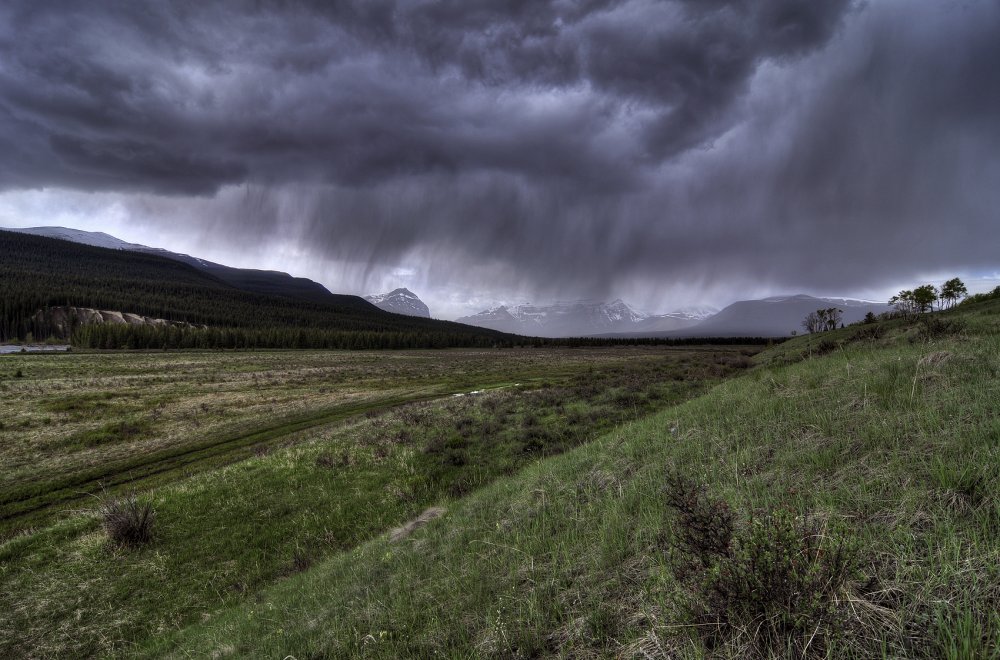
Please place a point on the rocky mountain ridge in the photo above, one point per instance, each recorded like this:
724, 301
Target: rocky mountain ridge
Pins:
579, 318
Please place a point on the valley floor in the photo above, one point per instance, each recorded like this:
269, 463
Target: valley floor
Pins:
260, 465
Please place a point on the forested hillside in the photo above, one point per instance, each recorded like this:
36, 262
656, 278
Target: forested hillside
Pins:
41, 273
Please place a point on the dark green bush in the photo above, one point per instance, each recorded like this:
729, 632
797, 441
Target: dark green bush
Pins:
868, 332
781, 587
826, 346
773, 587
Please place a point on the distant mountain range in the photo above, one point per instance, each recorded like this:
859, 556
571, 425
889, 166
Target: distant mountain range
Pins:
270, 282
400, 301
778, 316
582, 318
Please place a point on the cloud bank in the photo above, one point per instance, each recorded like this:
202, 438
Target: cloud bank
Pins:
648, 148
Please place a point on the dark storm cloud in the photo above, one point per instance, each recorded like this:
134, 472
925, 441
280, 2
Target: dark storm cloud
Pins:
570, 147
184, 98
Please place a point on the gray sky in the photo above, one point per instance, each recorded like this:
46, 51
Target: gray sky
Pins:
666, 152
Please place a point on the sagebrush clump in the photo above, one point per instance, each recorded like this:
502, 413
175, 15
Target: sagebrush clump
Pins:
772, 586
705, 524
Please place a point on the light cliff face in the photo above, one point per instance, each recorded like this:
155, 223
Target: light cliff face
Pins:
62, 320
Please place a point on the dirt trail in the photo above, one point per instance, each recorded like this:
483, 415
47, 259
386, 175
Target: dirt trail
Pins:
25, 506
400, 533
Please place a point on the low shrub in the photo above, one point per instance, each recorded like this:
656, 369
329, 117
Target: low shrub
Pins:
781, 588
826, 346
773, 587
705, 525
302, 560
935, 327
868, 332
456, 457
741, 361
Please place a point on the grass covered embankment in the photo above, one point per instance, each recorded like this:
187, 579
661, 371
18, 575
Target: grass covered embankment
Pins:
839, 499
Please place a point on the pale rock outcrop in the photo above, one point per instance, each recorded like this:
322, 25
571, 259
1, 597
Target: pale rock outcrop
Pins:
62, 320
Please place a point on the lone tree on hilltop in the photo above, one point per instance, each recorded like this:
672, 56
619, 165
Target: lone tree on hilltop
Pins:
952, 292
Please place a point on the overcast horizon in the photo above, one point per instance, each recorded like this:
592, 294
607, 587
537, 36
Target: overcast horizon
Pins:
668, 153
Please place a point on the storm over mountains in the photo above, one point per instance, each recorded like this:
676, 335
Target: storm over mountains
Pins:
664, 151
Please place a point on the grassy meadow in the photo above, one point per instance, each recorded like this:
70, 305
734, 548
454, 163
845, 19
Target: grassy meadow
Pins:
837, 500
262, 465
832, 496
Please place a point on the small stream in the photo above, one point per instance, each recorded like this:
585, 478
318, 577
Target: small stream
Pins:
32, 348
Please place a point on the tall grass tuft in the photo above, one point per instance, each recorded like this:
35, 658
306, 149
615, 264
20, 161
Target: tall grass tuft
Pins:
127, 521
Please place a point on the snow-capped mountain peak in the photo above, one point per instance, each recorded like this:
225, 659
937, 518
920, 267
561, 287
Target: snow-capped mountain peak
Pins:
573, 318
695, 313
619, 310
400, 301
805, 298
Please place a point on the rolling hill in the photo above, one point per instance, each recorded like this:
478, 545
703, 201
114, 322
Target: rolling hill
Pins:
39, 273
269, 282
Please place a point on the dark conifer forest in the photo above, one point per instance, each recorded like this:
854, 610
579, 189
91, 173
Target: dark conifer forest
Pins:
40, 274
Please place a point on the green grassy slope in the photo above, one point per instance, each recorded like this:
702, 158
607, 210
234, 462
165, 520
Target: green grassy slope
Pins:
887, 445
